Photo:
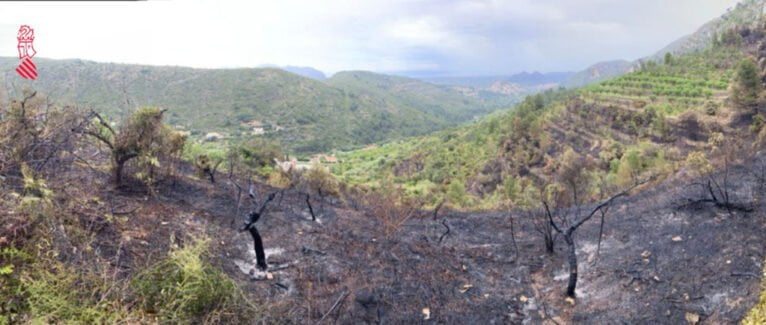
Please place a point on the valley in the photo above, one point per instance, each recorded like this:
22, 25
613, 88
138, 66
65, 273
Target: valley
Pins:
632, 192
305, 116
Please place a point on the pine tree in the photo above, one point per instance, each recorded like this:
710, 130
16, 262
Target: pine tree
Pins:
748, 85
668, 58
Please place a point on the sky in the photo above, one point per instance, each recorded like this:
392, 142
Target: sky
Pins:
415, 37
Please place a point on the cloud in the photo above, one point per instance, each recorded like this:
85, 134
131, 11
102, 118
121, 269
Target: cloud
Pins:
458, 37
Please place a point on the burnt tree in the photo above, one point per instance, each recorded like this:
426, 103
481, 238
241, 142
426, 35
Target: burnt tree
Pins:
563, 205
254, 216
715, 182
567, 227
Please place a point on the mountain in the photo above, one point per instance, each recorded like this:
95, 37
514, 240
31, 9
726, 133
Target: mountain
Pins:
504, 87
746, 13
537, 78
305, 115
598, 72
307, 72
452, 102
523, 79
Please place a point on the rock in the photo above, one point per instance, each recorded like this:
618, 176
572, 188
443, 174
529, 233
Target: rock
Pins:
646, 254
426, 313
677, 239
523, 298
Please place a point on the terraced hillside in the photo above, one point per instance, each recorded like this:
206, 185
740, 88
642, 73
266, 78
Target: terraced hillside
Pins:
643, 123
676, 85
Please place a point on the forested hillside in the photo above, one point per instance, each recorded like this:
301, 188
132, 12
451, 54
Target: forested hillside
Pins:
303, 115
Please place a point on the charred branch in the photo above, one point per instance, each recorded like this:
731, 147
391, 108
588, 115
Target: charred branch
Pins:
513, 236
444, 223
311, 209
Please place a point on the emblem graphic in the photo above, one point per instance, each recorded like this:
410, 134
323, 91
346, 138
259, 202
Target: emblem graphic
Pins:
27, 69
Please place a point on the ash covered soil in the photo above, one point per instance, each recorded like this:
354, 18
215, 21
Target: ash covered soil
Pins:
660, 261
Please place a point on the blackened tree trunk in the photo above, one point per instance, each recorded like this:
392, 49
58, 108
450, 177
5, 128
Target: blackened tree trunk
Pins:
211, 175
260, 254
549, 244
118, 167
120, 159
311, 209
572, 258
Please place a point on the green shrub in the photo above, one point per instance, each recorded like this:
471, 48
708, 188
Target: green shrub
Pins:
37, 288
456, 193
318, 179
748, 85
62, 295
258, 154
37, 201
184, 288
12, 304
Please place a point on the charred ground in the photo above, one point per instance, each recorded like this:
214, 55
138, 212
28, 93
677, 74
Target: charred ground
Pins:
660, 258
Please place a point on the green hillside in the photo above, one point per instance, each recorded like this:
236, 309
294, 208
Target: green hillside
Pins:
643, 123
303, 114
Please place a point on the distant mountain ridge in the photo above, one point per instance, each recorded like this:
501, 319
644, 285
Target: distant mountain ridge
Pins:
599, 72
523, 78
307, 72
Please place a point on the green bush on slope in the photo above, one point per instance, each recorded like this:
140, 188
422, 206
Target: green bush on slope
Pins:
183, 287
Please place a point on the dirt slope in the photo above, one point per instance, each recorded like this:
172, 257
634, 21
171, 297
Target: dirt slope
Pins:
659, 260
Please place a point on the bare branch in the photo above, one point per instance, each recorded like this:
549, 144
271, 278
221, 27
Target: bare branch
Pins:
604, 204
550, 217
